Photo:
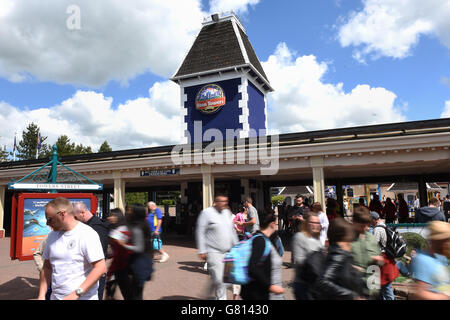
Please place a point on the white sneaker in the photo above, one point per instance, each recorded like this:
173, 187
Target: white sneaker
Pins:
164, 257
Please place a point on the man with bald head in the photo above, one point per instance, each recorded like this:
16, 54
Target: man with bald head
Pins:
154, 219
83, 214
73, 255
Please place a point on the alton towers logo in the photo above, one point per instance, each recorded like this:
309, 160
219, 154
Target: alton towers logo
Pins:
210, 99
258, 149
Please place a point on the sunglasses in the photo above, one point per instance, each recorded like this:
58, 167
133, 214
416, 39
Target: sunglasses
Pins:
49, 219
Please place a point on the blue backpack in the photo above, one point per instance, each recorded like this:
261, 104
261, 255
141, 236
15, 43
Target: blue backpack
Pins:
237, 260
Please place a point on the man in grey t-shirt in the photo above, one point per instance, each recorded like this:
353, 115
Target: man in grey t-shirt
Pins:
215, 235
252, 223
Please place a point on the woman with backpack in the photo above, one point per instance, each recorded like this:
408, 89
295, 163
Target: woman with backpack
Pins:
303, 243
260, 264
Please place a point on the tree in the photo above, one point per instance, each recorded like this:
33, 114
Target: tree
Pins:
26, 148
105, 147
3, 155
277, 200
80, 149
65, 148
136, 198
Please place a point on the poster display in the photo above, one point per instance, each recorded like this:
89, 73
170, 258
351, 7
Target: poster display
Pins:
30, 223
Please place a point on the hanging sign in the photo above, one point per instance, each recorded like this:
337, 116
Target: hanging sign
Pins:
163, 172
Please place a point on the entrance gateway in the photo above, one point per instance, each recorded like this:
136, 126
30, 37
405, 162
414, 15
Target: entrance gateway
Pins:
223, 87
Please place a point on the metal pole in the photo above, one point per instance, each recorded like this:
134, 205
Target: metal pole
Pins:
54, 173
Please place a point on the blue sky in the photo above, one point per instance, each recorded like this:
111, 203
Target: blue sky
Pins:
348, 60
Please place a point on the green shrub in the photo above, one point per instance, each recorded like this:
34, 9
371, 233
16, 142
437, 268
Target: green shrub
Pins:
169, 202
414, 241
277, 199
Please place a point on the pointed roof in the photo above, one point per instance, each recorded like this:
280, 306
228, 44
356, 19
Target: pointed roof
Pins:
222, 45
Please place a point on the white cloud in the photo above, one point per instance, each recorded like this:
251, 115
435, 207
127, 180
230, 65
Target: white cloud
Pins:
238, 6
88, 118
446, 112
117, 39
392, 27
303, 102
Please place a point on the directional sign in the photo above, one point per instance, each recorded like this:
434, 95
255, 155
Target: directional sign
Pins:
163, 172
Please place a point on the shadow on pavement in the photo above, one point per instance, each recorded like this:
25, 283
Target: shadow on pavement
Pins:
193, 266
178, 298
19, 288
178, 240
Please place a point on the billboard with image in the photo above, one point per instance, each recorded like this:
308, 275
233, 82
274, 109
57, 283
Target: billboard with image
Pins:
29, 224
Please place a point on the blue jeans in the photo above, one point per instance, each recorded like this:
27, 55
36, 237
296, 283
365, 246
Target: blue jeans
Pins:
301, 291
101, 287
404, 269
387, 292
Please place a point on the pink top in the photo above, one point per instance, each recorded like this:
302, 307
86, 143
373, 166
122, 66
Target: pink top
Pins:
240, 218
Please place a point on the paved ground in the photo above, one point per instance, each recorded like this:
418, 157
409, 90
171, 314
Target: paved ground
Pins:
180, 278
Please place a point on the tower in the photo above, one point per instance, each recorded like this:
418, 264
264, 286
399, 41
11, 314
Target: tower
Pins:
222, 82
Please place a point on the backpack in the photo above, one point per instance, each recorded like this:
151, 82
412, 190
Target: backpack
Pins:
237, 259
312, 267
395, 244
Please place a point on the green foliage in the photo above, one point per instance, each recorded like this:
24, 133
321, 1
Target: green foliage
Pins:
3, 155
169, 202
65, 148
26, 148
277, 199
105, 147
136, 197
414, 241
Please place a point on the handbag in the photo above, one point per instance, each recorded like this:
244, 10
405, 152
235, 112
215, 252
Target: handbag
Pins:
156, 242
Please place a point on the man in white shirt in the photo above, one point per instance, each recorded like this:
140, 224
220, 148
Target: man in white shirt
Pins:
73, 255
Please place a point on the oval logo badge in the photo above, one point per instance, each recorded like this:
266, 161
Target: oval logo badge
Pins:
210, 99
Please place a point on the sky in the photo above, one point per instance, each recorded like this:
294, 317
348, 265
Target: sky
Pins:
100, 70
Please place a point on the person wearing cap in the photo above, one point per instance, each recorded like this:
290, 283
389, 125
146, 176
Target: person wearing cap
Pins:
375, 217
430, 268
388, 269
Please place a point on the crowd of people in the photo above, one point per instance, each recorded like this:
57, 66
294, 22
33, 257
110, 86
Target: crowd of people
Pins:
333, 258
72, 258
